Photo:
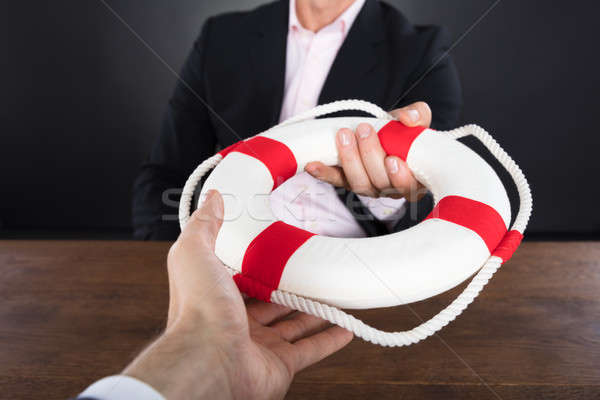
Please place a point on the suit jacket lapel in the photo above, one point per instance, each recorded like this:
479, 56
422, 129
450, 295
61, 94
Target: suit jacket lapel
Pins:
356, 70
268, 61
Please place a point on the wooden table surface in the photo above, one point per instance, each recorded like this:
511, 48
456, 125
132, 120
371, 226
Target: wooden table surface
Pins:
72, 312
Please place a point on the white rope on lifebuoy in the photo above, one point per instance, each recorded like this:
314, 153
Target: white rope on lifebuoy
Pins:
187, 194
347, 321
340, 105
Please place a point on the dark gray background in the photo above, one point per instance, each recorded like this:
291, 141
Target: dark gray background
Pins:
82, 100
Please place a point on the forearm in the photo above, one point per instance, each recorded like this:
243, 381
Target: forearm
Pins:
181, 366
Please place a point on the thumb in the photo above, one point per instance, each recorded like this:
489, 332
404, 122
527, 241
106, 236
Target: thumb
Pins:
416, 114
205, 222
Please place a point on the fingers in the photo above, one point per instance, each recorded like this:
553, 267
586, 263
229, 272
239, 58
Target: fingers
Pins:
351, 163
416, 114
332, 175
365, 169
314, 348
205, 222
299, 326
266, 313
372, 156
402, 179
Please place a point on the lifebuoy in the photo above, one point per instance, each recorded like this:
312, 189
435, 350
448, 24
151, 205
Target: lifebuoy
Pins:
468, 230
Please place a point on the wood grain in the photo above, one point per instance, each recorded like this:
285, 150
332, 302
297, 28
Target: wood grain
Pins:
72, 312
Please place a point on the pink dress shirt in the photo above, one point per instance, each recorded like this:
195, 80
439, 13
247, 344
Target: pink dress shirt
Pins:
304, 201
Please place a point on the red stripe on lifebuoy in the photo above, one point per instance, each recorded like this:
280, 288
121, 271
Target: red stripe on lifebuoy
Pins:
474, 215
508, 245
266, 257
396, 138
276, 156
229, 149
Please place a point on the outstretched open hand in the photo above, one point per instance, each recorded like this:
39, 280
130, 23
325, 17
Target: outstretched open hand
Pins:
216, 344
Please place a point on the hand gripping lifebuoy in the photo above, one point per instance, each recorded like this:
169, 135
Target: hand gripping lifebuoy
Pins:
468, 230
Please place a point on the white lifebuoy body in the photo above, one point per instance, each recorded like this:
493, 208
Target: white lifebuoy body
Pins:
470, 219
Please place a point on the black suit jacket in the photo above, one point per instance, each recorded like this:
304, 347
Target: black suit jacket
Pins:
237, 68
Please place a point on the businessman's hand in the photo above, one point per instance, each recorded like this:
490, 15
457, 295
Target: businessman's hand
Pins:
365, 168
217, 347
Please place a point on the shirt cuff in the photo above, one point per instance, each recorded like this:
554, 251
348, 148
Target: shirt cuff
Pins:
385, 209
121, 387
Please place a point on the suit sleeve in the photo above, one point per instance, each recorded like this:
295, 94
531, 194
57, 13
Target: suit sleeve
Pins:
186, 138
435, 81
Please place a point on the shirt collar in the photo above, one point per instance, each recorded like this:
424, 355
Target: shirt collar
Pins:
345, 20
